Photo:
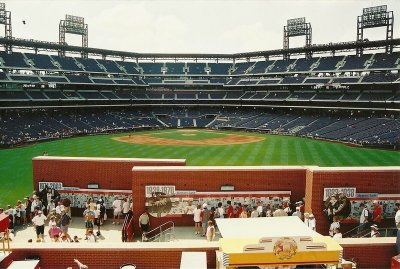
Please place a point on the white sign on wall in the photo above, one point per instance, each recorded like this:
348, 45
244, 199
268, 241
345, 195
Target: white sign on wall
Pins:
55, 185
346, 191
166, 189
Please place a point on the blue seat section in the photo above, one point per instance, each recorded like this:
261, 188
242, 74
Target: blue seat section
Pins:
345, 80
14, 59
233, 95
233, 81
303, 65
151, 68
175, 68
281, 66
380, 77
67, 63
109, 95
354, 62
375, 96
247, 82
55, 94
110, 66
90, 65
327, 96
317, 80
139, 81
197, 68
38, 95
219, 68
3, 76
92, 95
241, 68
103, 81
187, 96
260, 67
27, 78
155, 95
152, 80
124, 81
218, 80
78, 79
13, 95
54, 79
268, 81
383, 60
139, 95
130, 67
41, 61
293, 80
277, 95
301, 96
72, 95
328, 63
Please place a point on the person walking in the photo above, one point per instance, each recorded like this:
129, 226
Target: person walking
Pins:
197, 219
144, 223
38, 222
210, 234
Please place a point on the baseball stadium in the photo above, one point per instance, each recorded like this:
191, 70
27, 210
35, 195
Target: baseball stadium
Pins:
312, 130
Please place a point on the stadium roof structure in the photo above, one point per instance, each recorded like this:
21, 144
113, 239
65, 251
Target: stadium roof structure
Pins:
319, 48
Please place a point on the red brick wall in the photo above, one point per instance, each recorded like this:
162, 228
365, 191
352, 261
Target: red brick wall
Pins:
111, 258
365, 181
113, 174
203, 179
370, 256
367, 256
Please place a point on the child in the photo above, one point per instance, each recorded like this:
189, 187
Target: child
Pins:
210, 231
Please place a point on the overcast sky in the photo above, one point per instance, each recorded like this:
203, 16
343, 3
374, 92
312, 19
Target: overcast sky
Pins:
198, 26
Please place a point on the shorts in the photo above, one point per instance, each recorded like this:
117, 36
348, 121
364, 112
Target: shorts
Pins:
40, 229
97, 222
204, 224
23, 214
117, 212
197, 222
144, 227
64, 229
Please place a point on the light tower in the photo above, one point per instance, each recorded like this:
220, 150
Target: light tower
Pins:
375, 17
297, 27
5, 18
73, 25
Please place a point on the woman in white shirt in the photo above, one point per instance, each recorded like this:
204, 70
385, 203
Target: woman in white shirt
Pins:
197, 219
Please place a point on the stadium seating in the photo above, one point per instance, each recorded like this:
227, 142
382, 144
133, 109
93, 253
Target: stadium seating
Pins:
41, 61
129, 67
196, 68
81, 79
328, 63
219, 68
260, 67
152, 68
110, 66
281, 66
90, 65
383, 61
67, 63
302, 65
354, 62
15, 59
175, 68
241, 68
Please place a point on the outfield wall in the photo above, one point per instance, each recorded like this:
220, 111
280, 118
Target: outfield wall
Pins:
383, 180
109, 173
210, 179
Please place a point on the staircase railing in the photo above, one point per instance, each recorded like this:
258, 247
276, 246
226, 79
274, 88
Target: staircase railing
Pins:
161, 233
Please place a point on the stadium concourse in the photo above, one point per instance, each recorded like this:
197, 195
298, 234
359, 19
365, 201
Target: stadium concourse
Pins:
345, 92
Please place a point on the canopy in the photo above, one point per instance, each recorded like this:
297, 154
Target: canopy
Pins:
273, 241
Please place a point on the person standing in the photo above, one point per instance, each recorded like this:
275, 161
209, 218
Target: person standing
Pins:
397, 221
312, 223
254, 213
144, 222
197, 219
210, 231
239, 210
205, 215
377, 213
334, 225
363, 217
125, 207
117, 205
375, 231
337, 234
65, 221
38, 221
229, 210
280, 212
220, 211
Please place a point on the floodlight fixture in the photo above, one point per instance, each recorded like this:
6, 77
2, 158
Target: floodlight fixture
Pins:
73, 25
373, 17
297, 27
5, 18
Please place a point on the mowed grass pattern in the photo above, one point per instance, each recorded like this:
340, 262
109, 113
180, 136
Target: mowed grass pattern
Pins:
16, 164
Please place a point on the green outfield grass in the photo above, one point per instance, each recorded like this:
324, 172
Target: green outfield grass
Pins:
16, 164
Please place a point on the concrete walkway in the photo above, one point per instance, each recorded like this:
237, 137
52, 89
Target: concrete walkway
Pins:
109, 233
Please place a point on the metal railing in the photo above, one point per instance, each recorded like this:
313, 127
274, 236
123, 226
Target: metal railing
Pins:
384, 232
162, 233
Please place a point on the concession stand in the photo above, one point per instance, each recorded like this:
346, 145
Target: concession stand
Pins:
272, 242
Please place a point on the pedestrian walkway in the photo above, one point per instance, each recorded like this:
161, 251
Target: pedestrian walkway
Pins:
109, 233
